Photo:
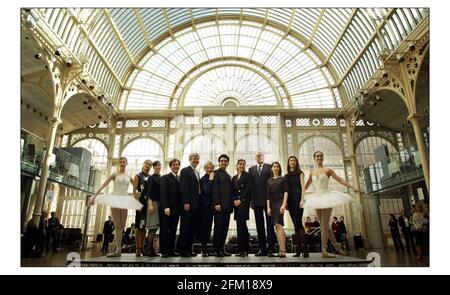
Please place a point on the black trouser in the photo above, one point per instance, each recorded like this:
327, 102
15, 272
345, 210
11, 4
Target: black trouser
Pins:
53, 237
296, 214
408, 239
188, 224
242, 235
204, 225
260, 212
398, 244
106, 240
41, 243
168, 231
221, 224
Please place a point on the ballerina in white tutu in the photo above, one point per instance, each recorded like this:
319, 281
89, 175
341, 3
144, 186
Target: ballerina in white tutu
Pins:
323, 200
119, 201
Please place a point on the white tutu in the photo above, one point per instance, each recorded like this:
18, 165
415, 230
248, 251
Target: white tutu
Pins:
324, 198
119, 201
327, 200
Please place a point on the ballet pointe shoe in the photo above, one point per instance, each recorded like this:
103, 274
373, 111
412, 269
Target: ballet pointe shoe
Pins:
325, 254
114, 254
338, 249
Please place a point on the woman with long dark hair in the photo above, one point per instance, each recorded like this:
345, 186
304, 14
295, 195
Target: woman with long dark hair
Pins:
242, 187
296, 183
277, 195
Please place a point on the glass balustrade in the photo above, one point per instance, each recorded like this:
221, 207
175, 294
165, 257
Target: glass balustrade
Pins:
65, 168
394, 170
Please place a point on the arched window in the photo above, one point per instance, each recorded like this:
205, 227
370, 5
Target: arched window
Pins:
366, 155
139, 150
209, 147
98, 150
249, 145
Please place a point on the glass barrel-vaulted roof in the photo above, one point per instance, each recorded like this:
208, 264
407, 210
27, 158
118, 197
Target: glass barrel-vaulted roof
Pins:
245, 86
298, 69
342, 45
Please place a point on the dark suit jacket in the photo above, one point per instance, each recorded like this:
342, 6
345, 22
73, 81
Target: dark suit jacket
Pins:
152, 188
222, 189
206, 198
401, 222
242, 191
53, 224
108, 228
190, 187
259, 197
170, 193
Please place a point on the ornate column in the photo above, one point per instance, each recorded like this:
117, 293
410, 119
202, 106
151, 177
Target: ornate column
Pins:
282, 140
230, 143
414, 118
101, 209
357, 216
45, 168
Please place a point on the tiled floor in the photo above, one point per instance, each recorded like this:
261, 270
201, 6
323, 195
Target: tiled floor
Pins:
389, 258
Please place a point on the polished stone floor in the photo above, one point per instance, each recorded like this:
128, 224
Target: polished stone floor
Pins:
389, 258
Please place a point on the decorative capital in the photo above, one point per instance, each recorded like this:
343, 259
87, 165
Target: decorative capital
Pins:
413, 117
55, 121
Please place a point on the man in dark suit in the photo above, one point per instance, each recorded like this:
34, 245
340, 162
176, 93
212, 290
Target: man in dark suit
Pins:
403, 222
261, 172
42, 232
222, 191
169, 209
53, 228
190, 194
108, 229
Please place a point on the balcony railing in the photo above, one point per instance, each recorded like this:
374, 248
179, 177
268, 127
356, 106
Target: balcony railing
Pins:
66, 168
397, 169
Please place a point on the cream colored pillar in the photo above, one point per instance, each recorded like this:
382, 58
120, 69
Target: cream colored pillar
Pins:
358, 225
100, 214
414, 118
45, 168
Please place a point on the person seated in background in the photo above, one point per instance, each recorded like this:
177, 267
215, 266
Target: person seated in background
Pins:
128, 237
308, 224
316, 223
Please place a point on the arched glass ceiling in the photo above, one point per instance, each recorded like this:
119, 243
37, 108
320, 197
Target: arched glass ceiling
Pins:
115, 40
307, 83
214, 87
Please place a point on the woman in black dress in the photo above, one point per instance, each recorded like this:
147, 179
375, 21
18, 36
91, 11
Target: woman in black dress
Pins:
138, 187
277, 195
152, 197
242, 184
205, 208
296, 182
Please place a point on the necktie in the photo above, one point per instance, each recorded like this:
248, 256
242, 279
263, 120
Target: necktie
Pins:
178, 178
259, 169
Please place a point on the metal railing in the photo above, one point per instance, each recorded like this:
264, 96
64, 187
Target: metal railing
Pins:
397, 169
66, 168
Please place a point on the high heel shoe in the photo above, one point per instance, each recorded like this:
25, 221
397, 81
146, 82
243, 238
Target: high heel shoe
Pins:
282, 254
338, 249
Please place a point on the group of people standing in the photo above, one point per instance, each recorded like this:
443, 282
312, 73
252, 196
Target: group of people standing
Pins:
415, 229
39, 238
195, 202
